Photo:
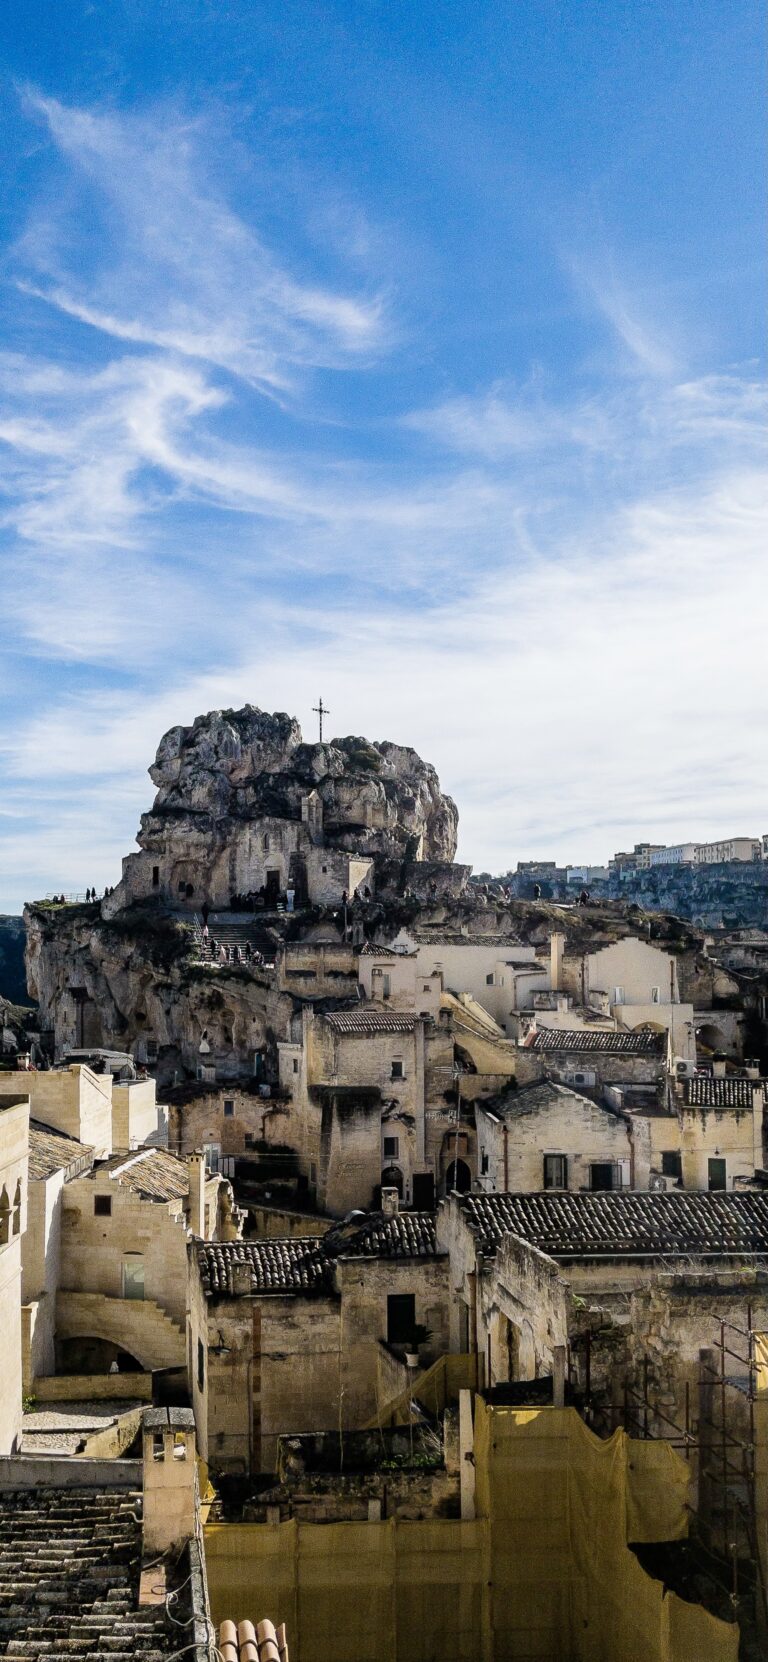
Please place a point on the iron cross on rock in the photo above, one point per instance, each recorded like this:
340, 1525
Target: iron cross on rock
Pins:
321, 710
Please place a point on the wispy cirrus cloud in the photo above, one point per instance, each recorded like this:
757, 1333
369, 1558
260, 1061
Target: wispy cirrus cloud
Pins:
179, 268
553, 587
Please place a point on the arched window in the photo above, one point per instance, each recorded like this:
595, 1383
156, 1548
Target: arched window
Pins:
17, 1209
5, 1217
265, 842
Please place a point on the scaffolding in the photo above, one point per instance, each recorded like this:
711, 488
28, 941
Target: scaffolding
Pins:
718, 1435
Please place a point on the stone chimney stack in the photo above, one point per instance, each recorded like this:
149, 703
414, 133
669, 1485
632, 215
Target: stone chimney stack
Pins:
170, 1473
556, 950
197, 1194
242, 1278
390, 1203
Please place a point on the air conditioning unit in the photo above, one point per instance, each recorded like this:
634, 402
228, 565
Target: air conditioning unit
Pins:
656, 1182
683, 1068
585, 1077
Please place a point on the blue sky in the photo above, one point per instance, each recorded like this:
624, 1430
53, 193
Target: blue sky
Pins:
413, 355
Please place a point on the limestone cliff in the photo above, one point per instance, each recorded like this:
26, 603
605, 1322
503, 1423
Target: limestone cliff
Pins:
248, 765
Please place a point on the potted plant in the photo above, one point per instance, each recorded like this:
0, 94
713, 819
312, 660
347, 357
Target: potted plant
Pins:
420, 1335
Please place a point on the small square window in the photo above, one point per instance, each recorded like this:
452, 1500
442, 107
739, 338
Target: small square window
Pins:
489, 981
102, 1206
391, 1148
229, 1109
397, 1070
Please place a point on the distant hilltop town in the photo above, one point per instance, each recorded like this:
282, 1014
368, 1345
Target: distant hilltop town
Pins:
715, 885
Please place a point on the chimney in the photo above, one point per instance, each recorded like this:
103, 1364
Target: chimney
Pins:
197, 1194
242, 1278
390, 1203
170, 1487
556, 948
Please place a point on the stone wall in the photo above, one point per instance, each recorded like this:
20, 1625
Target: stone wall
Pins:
14, 1148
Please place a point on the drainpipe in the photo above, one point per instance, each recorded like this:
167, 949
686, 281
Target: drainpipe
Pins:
505, 1131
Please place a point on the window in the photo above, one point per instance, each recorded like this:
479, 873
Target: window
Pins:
16, 1225
654, 995
229, 1108
386, 986
295, 1064
426, 987
484, 1164
133, 1276
200, 1365
5, 1217
671, 1163
489, 980
397, 1070
716, 1174
151, 1050
250, 1140
312, 1172
401, 1318
603, 1176
618, 995
555, 1171
102, 1206
182, 887
391, 1148
155, 877
212, 1152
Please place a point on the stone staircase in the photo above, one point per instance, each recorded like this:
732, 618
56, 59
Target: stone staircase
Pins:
138, 1326
69, 1579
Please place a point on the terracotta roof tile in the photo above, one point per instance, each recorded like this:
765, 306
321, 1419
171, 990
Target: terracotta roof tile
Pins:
153, 1173
667, 1223
51, 1151
372, 1021
303, 1264
704, 1091
575, 1040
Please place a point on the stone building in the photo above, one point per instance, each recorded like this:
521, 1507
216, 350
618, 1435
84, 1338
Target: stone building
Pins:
638, 1281
546, 1136
595, 1056
122, 1293
14, 1156
308, 1334
54, 1160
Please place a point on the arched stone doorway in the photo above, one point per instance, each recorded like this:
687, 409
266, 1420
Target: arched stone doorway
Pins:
91, 1355
458, 1176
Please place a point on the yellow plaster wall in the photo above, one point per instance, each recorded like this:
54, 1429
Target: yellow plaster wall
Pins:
544, 1574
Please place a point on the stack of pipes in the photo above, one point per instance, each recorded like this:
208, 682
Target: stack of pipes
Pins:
242, 1642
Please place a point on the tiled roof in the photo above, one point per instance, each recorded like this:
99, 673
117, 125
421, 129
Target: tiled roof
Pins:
290, 1266
372, 1021
537, 1097
623, 1223
575, 1040
407, 1235
372, 951
70, 1562
706, 1092
153, 1173
303, 1264
51, 1151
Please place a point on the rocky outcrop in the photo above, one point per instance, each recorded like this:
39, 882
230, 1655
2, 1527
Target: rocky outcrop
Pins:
247, 765
123, 982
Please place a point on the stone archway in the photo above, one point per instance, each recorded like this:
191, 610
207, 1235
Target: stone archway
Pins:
458, 1176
